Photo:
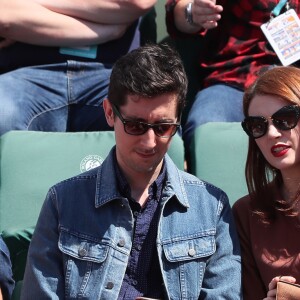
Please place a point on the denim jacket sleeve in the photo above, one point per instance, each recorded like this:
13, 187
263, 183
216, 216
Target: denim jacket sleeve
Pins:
222, 278
6, 276
43, 277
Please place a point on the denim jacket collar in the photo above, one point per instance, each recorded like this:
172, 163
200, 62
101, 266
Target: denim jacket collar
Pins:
107, 187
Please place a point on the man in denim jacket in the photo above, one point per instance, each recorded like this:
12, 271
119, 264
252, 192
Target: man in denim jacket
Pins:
137, 226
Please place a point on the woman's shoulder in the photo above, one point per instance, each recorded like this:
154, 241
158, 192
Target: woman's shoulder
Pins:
244, 203
254, 202
242, 212
243, 209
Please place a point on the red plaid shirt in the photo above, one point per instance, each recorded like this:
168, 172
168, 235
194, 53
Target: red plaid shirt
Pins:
236, 51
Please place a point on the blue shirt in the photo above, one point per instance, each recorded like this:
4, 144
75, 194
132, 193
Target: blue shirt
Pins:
143, 276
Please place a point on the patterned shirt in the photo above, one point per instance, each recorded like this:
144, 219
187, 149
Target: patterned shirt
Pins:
143, 275
236, 51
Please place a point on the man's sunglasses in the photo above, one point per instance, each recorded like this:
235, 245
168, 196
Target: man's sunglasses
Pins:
163, 130
285, 118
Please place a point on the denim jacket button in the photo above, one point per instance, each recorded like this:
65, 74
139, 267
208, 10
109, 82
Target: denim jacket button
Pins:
82, 252
191, 252
121, 243
110, 285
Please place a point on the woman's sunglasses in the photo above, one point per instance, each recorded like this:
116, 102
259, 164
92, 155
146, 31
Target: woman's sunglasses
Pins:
163, 130
285, 118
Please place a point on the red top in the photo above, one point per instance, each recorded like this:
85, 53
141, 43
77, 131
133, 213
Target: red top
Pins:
235, 51
267, 250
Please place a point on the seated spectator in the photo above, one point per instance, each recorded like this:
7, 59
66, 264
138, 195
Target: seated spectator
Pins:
56, 59
268, 218
6, 280
233, 51
136, 226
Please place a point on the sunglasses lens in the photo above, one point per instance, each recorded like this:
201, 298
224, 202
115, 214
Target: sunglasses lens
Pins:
165, 130
286, 118
255, 126
161, 130
135, 128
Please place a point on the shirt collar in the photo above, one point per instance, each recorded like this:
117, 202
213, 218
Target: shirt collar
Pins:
155, 188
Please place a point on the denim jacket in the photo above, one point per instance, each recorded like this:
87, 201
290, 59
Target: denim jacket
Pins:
83, 239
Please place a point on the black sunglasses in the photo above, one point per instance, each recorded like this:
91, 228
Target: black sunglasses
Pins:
285, 118
163, 130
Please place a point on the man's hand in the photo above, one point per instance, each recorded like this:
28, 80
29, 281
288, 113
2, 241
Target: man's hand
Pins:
206, 13
273, 286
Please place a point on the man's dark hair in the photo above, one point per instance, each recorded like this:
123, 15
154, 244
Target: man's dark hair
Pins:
148, 71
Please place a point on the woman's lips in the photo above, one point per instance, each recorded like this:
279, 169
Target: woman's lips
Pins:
279, 150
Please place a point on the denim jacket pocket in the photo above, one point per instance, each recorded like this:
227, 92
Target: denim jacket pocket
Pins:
82, 247
84, 260
189, 248
186, 258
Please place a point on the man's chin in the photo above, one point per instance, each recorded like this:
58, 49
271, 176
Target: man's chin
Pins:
147, 168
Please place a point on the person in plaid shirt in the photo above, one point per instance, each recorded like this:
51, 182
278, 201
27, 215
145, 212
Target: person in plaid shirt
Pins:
234, 51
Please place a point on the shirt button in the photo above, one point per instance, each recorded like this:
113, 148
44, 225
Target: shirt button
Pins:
192, 252
110, 285
134, 282
139, 247
82, 252
136, 213
121, 243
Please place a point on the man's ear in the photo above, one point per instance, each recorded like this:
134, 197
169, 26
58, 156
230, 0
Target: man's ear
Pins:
109, 114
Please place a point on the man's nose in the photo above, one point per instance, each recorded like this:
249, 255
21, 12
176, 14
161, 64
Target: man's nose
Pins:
149, 138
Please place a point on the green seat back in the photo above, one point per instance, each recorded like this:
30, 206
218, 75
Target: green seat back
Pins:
32, 161
18, 242
218, 155
17, 291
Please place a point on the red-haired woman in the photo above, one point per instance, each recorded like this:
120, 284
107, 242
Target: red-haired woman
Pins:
268, 219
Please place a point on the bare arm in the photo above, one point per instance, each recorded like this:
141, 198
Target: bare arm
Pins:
205, 14
101, 11
32, 23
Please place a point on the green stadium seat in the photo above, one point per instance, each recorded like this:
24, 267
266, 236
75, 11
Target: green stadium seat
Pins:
17, 291
218, 156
